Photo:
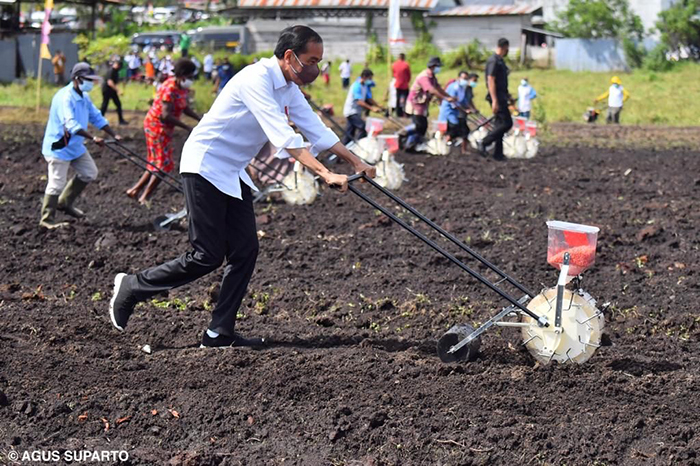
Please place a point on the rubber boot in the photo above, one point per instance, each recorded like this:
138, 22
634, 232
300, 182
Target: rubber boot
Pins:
69, 195
48, 213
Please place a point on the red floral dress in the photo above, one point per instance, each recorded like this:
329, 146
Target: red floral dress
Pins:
159, 134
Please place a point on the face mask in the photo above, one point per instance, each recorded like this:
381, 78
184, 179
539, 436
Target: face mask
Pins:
308, 73
86, 86
187, 83
473, 84
436, 70
370, 83
523, 83
463, 83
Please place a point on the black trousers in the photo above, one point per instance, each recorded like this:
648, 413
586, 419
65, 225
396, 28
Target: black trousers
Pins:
354, 128
401, 96
460, 130
502, 123
111, 94
220, 227
421, 124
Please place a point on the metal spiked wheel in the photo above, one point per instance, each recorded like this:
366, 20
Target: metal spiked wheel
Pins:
579, 334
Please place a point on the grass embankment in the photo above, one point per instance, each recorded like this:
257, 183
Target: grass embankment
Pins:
563, 96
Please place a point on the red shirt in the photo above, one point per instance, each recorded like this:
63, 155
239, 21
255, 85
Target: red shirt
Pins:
169, 91
402, 74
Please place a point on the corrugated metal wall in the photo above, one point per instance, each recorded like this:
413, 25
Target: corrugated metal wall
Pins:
342, 37
453, 32
20, 55
8, 58
601, 55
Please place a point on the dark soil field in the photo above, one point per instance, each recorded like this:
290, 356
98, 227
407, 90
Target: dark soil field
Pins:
354, 306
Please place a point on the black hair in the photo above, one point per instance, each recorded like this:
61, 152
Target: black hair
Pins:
503, 42
184, 67
473, 76
366, 73
463, 72
402, 56
295, 38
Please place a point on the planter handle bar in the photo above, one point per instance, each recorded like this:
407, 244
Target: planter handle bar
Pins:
444, 233
540, 319
162, 175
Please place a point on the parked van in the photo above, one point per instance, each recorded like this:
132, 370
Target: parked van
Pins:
232, 38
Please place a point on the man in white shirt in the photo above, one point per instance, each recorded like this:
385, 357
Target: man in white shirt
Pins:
345, 73
133, 63
526, 93
208, 66
253, 110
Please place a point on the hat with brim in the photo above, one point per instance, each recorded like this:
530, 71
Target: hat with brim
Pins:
83, 70
434, 61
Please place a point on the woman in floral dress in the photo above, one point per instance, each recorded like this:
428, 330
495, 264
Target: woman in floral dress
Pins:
162, 118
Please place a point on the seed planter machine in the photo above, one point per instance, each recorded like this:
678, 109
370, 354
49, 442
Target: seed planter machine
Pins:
561, 323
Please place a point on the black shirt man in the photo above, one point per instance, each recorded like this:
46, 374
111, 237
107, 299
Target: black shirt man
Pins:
498, 96
110, 91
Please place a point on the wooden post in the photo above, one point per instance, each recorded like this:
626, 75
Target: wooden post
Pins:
93, 18
388, 55
38, 80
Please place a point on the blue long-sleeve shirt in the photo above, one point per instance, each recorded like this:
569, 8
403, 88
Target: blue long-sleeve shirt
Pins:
448, 111
70, 112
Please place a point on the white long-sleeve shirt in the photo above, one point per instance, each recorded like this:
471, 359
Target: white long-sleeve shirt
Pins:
254, 108
345, 70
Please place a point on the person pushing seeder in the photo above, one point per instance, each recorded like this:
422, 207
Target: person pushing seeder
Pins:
254, 109
617, 96
64, 148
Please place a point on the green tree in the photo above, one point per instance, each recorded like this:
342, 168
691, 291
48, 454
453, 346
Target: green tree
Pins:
680, 26
594, 19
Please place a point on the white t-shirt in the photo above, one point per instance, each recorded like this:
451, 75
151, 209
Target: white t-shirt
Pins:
616, 96
345, 70
254, 108
392, 93
133, 61
525, 96
208, 64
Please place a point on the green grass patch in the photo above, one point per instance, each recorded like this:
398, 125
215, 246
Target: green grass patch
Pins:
563, 96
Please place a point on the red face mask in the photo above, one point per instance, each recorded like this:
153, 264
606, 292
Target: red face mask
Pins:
308, 73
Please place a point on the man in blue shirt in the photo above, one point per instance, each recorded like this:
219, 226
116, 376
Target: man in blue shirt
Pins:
462, 89
359, 98
224, 73
64, 148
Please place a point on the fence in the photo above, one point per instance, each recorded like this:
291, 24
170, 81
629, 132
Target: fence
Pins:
602, 55
19, 55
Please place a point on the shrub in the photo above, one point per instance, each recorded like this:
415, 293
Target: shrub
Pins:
656, 60
375, 52
99, 51
634, 52
423, 46
471, 56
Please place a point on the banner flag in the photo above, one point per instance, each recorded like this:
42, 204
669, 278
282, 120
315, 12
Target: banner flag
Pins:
395, 34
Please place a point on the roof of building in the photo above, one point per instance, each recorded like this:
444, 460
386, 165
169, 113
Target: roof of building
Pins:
489, 10
544, 32
335, 4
